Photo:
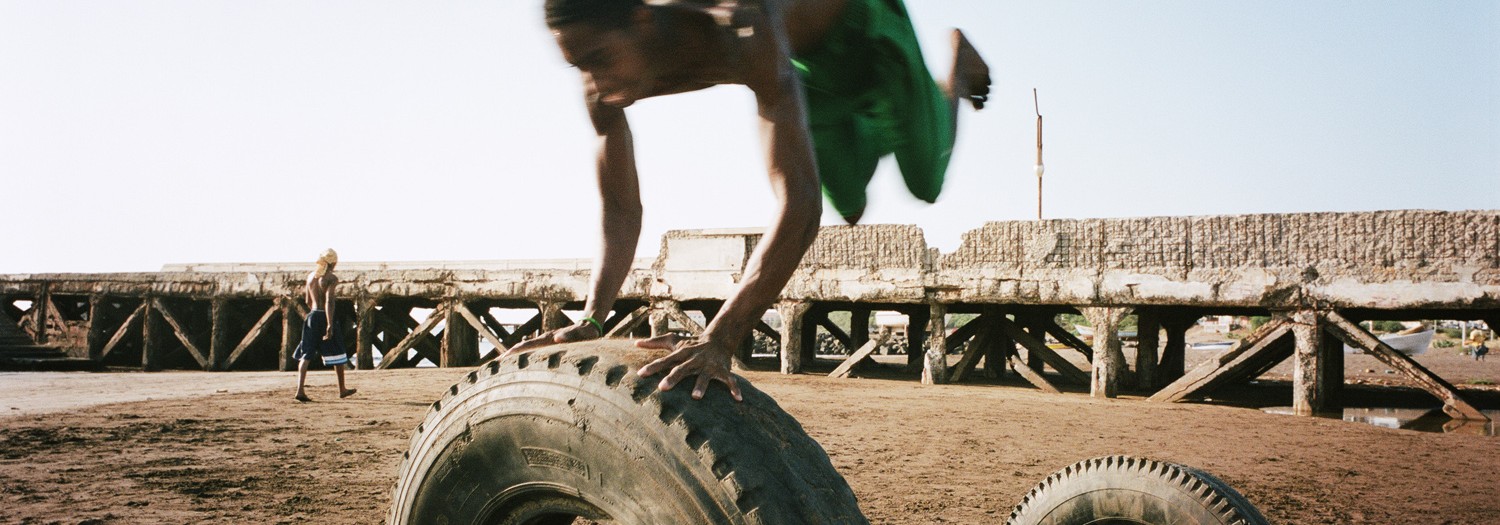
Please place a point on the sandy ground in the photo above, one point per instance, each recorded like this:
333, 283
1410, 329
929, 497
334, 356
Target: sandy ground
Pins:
188, 447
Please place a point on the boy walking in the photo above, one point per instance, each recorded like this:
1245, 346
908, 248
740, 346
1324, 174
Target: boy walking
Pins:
319, 339
1476, 344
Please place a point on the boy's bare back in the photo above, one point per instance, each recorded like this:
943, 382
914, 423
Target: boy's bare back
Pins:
320, 288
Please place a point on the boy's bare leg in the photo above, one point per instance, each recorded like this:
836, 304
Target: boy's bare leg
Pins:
343, 392
970, 77
302, 381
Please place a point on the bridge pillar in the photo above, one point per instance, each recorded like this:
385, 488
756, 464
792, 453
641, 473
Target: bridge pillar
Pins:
859, 328
1032, 326
1109, 360
460, 341
916, 337
364, 335
151, 337
1333, 360
219, 345
1148, 345
39, 314
809, 333
660, 318
552, 316
1317, 372
793, 324
291, 334
1173, 363
97, 335
935, 349
997, 356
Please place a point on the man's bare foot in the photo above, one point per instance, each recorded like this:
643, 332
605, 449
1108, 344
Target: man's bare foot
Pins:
971, 75
348, 393
302, 398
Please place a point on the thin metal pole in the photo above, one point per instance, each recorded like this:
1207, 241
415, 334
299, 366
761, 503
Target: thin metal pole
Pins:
1039, 166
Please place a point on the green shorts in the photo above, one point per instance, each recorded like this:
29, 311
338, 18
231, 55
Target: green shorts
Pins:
869, 94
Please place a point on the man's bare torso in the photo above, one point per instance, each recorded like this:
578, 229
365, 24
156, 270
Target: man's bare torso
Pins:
318, 288
751, 34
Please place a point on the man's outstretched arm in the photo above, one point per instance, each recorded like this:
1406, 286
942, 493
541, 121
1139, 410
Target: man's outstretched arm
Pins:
620, 214
620, 209
794, 180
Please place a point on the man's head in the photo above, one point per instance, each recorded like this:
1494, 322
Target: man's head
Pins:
326, 261
609, 41
604, 13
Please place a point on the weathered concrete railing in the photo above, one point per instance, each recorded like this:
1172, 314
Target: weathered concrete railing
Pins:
1168, 271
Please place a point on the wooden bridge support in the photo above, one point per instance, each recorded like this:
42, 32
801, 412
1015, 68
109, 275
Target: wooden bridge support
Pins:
624, 324
415, 336
526, 330
485, 326
460, 346
151, 338
179, 329
917, 320
9, 313
1454, 403
676, 314
98, 334
1001, 348
40, 314
235, 333
858, 355
1147, 348
291, 334
1173, 363
1036, 348
1031, 326
218, 339
825, 321
1262, 349
1333, 361
365, 331
808, 336
859, 328
1318, 370
980, 345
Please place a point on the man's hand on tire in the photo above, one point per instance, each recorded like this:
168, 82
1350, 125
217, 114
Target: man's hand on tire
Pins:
568, 334
704, 357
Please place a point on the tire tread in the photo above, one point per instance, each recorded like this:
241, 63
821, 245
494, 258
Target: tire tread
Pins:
722, 448
1217, 497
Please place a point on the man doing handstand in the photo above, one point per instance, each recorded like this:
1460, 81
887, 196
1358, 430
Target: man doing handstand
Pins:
838, 84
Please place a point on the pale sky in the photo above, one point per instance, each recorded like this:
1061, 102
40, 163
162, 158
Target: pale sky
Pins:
138, 133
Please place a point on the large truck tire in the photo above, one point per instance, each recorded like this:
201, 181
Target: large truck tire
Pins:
570, 432
1126, 490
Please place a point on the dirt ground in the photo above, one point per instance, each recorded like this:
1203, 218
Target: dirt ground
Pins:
234, 448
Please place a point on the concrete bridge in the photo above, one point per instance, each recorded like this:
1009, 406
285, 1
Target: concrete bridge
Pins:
1315, 274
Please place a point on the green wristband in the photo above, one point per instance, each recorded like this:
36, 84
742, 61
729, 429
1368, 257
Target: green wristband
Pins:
596, 324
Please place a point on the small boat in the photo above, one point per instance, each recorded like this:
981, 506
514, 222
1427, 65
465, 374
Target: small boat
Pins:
1410, 344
